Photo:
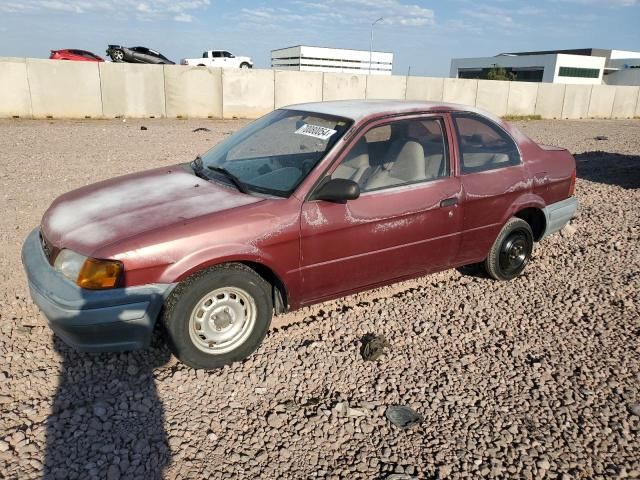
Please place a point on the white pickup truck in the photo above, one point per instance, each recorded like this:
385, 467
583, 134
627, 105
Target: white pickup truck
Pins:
218, 58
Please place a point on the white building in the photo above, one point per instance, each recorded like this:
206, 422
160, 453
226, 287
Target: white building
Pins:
578, 66
320, 59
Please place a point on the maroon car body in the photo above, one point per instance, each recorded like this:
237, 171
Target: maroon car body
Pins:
166, 224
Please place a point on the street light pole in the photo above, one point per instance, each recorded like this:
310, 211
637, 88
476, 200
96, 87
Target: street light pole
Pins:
371, 42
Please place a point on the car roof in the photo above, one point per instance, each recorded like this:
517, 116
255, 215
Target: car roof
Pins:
359, 109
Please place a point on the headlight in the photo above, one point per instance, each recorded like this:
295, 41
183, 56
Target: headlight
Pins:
69, 264
87, 272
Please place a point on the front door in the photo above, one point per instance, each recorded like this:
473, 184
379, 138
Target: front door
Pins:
405, 222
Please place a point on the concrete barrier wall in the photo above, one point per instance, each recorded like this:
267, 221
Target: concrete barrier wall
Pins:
49, 88
522, 98
576, 101
15, 98
193, 92
625, 101
132, 90
493, 96
247, 93
458, 90
386, 87
425, 88
297, 87
343, 86
64, 89
549, 100
601, 101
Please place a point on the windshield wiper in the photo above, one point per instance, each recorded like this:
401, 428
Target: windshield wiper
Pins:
235, 180
196, 166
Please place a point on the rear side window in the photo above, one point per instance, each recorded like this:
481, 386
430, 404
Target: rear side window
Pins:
483, 145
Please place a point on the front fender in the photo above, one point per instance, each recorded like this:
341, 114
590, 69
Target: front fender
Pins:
226, 253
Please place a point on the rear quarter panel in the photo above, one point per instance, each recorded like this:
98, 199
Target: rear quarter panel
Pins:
551, 169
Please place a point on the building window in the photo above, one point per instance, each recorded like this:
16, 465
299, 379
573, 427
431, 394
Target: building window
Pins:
579, 72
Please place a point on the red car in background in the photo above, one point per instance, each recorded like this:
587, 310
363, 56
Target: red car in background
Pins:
75, 55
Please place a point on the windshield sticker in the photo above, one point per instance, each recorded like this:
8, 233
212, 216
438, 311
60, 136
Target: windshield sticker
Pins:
315, 131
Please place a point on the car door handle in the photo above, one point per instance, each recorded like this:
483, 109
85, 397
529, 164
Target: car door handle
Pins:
449, 202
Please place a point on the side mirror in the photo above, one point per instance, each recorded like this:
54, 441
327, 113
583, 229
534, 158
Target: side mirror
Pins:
337, 190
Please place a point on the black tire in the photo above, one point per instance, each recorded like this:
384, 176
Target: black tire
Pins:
245, 65
117, 56
189, 326
511, 251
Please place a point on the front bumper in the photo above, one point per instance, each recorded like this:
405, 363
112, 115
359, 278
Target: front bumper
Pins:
91, 320
558, 214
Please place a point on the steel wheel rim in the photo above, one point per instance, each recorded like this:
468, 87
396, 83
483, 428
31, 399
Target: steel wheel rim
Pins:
515, 252
222, 320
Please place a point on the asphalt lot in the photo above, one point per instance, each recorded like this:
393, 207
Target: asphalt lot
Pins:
535, 378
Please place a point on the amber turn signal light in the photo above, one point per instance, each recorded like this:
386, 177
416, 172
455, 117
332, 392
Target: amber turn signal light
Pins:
99, 274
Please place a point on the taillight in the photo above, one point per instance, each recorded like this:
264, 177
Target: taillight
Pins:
572, 185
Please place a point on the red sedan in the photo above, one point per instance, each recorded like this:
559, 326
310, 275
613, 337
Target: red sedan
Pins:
308, 203
75, 55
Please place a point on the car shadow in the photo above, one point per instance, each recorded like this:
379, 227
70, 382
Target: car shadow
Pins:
107, 420
609, 168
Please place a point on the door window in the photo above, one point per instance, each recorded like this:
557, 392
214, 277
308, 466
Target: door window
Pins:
216, 54
396, 154
483, 145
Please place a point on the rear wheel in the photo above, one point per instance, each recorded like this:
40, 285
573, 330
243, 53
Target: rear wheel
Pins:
117, 55
218, 316
511, 251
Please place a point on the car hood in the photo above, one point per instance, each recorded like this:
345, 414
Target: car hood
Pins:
97, 215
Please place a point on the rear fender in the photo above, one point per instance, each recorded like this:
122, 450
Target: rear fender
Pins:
526, 200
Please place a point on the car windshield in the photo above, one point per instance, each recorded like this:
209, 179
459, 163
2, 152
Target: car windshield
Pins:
274, 154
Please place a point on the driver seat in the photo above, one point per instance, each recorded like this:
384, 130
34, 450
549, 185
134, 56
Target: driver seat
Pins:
356, 165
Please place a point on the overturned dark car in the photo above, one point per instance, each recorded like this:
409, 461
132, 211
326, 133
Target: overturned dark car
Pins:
118, 53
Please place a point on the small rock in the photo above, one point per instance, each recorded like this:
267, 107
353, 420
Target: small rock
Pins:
113, 473
568, 230
373, 346
4, 446
402, 416
143, 128
543, 464
634, 409
343, 409
444, 471
275, 421
132, 369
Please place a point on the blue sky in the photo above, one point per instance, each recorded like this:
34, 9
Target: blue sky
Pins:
423, 35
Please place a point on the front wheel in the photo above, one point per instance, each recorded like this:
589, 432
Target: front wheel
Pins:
511, 251
245, 65
218, 316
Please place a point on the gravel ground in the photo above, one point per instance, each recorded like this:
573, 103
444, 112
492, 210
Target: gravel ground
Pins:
536, 378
